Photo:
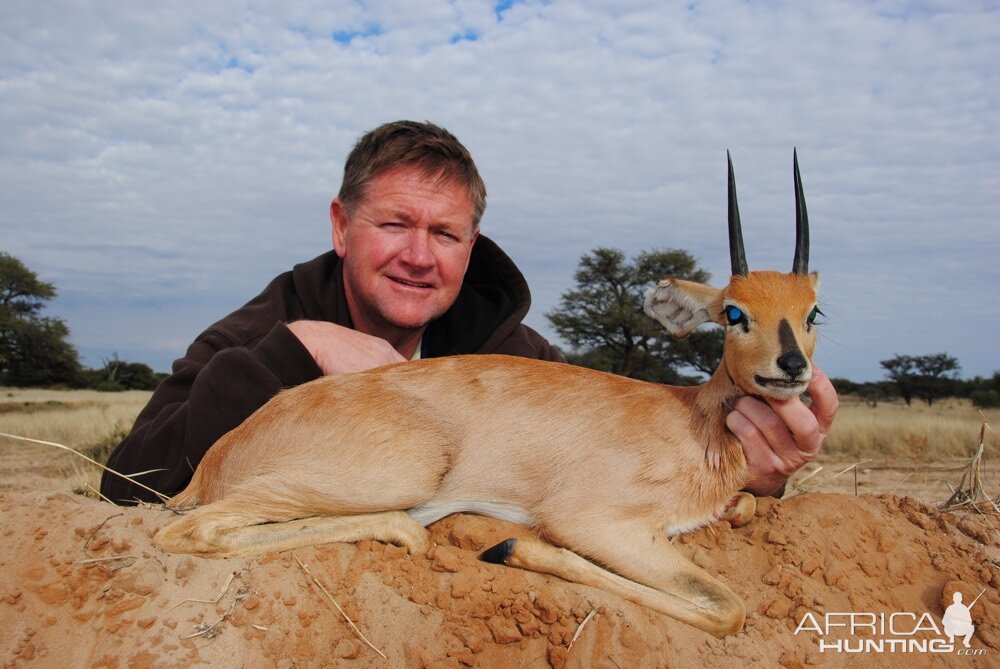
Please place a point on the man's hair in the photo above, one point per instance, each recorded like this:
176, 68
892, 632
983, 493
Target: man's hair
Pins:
426, 146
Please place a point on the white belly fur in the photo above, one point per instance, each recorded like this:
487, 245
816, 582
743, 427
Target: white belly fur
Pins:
425, 514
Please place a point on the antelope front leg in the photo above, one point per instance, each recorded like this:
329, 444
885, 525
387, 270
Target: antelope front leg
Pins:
662, 578
740, 510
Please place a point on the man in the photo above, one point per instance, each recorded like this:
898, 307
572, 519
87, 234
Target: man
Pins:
410, 277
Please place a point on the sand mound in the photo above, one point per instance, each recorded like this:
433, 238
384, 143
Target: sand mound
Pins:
62, 604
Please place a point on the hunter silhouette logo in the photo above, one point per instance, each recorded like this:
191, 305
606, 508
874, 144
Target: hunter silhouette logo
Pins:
900, 632
957, 619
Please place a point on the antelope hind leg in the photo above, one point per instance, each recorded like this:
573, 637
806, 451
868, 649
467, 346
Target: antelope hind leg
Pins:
219, 529
665, 580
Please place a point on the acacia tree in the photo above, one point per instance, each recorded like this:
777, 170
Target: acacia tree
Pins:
603, 321
123, 375
33, 348
926, 377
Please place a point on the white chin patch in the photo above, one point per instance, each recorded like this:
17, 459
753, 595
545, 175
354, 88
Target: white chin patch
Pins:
787, 393
781, 391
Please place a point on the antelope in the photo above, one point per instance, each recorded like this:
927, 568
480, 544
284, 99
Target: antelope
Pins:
604, 468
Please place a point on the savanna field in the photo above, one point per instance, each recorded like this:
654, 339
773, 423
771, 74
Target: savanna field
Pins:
860, 530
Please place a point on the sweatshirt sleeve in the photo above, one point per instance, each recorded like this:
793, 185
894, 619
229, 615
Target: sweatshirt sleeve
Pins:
527, 343
213, 388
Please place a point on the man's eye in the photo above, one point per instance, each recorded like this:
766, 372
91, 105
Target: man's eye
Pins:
735, 315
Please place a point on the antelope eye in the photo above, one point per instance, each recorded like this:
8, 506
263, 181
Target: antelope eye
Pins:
735, 315
813, 314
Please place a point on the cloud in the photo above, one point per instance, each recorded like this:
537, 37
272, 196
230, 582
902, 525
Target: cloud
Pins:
183, 155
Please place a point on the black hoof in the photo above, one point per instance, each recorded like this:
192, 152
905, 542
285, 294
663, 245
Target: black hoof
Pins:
500, 553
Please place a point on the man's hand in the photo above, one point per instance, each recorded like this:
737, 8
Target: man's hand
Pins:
338, 349
781, 436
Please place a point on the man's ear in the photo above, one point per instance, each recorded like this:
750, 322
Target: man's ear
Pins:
681, 306
468, 258
338, 221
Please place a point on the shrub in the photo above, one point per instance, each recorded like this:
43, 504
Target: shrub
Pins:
985, 399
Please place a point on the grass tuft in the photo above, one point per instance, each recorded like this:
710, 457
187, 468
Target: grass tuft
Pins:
971, 492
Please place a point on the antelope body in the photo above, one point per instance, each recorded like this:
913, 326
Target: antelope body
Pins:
603, 466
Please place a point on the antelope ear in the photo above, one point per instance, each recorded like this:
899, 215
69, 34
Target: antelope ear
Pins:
681, 306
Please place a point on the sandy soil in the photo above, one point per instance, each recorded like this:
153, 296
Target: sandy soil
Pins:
81, 585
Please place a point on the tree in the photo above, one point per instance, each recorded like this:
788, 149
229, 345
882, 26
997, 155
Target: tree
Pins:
984, 393
603, 321
926, 377
129, 375
873, 392
33, 348
844, 386
985, 399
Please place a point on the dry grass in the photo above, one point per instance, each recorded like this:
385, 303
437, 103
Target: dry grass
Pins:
76, 418
918, 451
916, 433
88, 421
971, 491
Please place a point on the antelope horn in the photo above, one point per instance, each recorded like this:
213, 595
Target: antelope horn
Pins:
736, 253
801, 263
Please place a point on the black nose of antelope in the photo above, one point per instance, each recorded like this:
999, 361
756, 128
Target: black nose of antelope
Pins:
792, 363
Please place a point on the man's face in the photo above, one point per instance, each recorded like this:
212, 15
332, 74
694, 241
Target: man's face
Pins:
405, 250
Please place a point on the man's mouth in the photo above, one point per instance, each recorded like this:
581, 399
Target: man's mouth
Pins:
410, 283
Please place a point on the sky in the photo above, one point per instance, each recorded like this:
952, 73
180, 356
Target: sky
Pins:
160, 163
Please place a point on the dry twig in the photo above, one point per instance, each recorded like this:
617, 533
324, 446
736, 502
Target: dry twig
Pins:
799, 485
96, 530
901, 482
222, 594
93, 534
98, 493
855, 468
579, 630
209, 630
107, 559
160, 495
330, 597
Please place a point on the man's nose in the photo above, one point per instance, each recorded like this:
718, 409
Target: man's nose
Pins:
418, 249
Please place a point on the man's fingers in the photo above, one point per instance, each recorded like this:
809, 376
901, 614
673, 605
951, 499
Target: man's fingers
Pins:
775, 431
760, 456
338, 349
809, 426
780, 436
768, 471
801, 423
824, 400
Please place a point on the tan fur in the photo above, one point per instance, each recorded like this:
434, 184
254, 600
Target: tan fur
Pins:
601, 464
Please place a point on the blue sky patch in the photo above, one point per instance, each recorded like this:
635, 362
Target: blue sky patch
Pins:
467, 36
501, 7
234, 64
348, 36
